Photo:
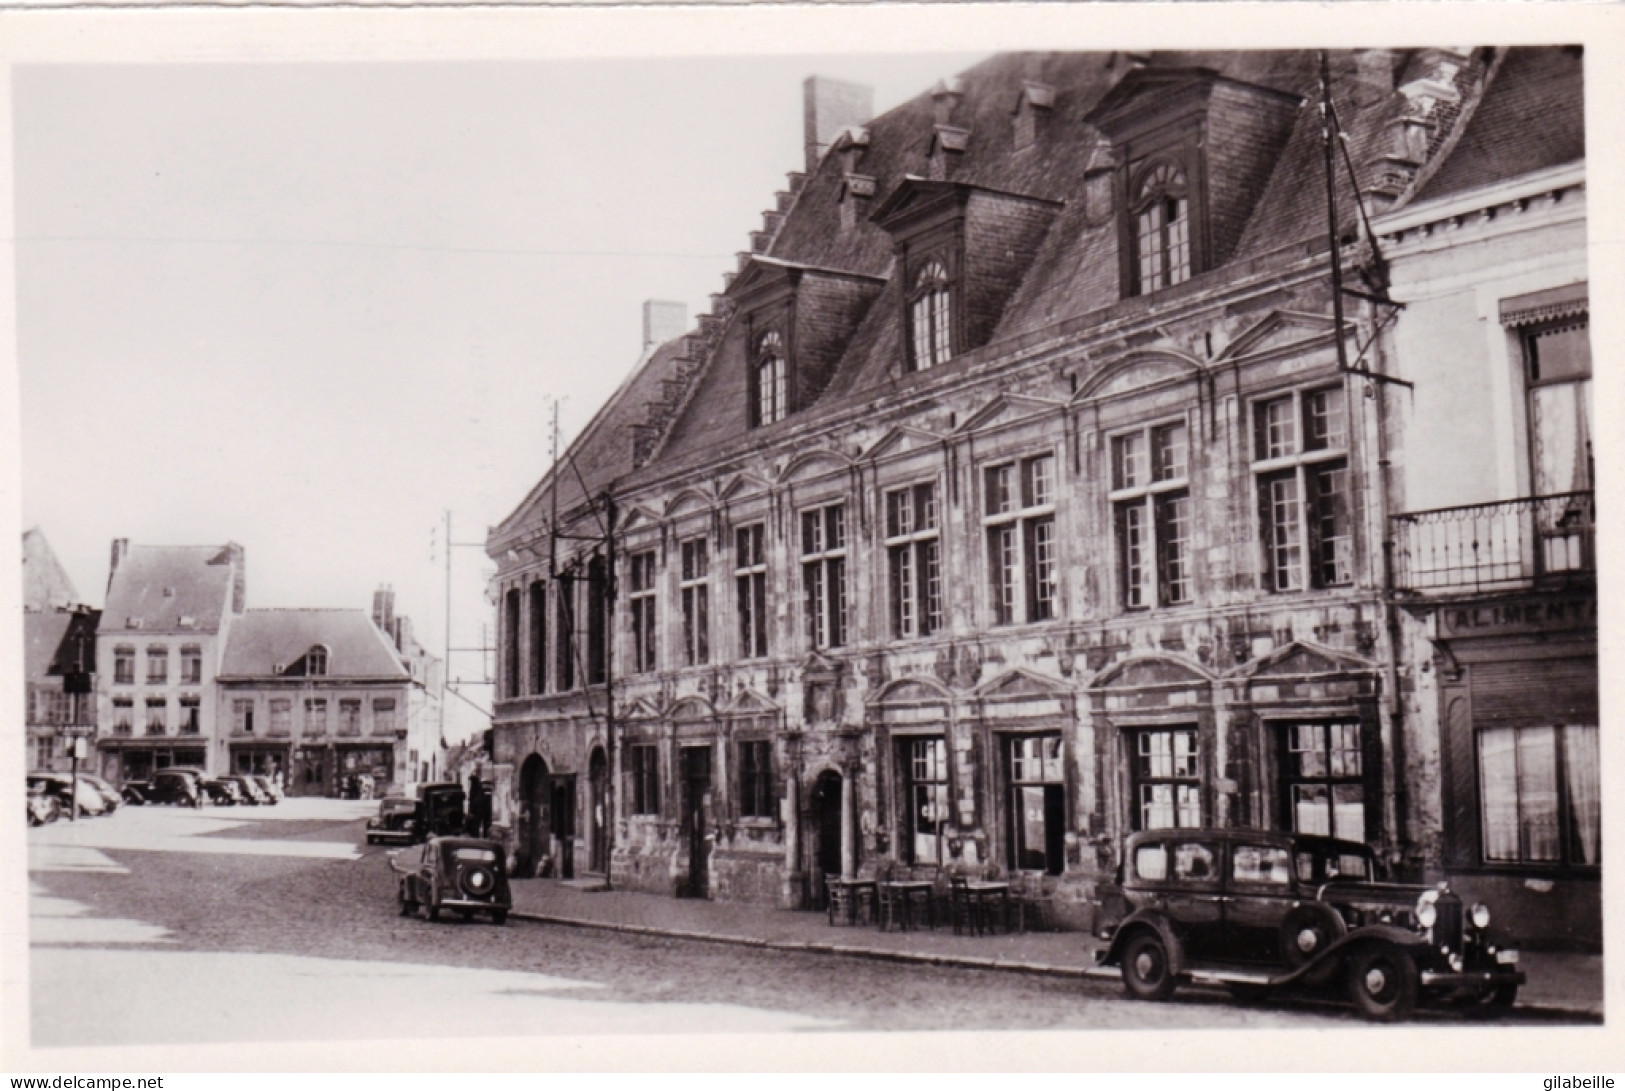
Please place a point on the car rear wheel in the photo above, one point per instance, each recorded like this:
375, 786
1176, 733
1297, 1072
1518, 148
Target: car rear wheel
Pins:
1382, 982
1145, 968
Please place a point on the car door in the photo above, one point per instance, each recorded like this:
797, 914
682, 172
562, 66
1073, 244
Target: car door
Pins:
1259, 893
1194, 891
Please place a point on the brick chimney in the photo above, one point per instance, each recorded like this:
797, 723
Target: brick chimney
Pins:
121, 550
383, 609
663, 321
828, 107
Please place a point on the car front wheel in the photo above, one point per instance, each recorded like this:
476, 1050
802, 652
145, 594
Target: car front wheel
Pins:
1145, 968
1382, 982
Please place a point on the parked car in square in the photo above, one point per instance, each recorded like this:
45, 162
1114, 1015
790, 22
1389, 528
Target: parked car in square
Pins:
465, 874
397, 822
183, 787
248, 789
61, 785
1257, 910
42, 805
110, 795
269, 786
222, 792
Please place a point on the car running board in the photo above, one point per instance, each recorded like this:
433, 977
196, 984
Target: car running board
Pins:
1231, 977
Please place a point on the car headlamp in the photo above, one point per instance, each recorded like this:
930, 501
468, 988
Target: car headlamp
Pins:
1481, 915
1426, 911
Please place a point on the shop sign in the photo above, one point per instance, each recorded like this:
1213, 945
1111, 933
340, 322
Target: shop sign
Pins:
1523, 616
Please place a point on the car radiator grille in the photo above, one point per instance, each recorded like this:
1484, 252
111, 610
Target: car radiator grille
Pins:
1447, 928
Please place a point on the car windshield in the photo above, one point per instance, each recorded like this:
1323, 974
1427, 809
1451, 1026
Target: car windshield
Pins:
472, 855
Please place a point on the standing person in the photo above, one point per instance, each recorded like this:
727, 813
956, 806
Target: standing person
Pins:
476, 793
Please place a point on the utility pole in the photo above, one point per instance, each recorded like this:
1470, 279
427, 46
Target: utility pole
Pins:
445, 666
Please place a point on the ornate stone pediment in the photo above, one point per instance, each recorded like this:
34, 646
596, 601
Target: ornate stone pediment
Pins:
903, 440
1007, 409
688, 502
912, 691
1014, 685
640, 709
1137, 370
749, 702
1281, 332
691, 709
1151, 670
1298, 660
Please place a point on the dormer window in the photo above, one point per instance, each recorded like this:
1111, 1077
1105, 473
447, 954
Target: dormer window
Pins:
768, 371
316, 660
1162, 235
929, 310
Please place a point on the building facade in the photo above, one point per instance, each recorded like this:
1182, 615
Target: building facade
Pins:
59, 658
1015, 495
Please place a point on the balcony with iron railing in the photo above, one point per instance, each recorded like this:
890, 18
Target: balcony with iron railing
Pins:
1505, 546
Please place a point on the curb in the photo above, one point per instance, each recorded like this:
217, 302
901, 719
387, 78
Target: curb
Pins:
967, 962
841, 950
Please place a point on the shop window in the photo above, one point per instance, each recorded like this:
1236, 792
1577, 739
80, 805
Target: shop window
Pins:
642, 602
1166, 778
157, 715
1151, 509
756, 794
315, 715
913, 557
750, 590
123, 715
645, 779
538, 638
124, 665
823, 575
1540, 795
191, 665
1324, 779
930, 317
281, 717
157, 665
770, 380
1019, 516
924, 767
191, 711
1037, 803
1300, 462
694, 586
1161, 227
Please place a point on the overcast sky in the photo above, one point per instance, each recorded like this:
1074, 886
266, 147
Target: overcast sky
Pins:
311, 308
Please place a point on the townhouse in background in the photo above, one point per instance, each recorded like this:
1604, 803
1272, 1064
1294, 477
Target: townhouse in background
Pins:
59, 658
1014, 496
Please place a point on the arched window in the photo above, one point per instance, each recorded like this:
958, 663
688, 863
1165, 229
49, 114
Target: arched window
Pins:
316, 660
1162, 246
770, 378
928, 317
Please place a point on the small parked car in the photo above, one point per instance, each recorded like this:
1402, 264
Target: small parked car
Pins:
269, 787
222, 792
1257, 910
397, 821
62, 787
443, 810
466, 874
183, 787
42, 805
110, 795
248, 789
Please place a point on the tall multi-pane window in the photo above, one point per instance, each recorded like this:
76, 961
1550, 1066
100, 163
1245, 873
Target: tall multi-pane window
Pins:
756, 794
510, 643
124, 665
157, 715
1325, 779
913, 558
383, 715
315, 716
750, 589
1300, 461
1019, 514
564, 631
191, 664
924, 767
1037, 802
1151, 509
349, 717
642, 600
191, 710
823, 575
1558, 359
157, 665
123, 715
316, 660
1540, 795
1167, 778
1162, 229
281, 716
694, 587
645, 765
537, 672
930, 317
771, 381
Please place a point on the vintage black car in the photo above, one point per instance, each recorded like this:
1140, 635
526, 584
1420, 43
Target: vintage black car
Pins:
248, 789
465, 874
1257, 910
223, 792
179, 786
396, 822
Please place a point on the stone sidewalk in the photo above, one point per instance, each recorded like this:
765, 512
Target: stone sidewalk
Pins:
1557, 981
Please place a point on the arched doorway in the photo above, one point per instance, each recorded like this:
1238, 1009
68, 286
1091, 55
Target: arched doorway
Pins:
823, 833
598, 818
534, 818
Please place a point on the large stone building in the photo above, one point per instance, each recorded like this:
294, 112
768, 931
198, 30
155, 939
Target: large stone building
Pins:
1017, 493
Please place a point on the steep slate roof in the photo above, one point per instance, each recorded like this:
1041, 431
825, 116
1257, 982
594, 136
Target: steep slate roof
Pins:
198, 579
45, 582
262, 639
47, 650
1525, 122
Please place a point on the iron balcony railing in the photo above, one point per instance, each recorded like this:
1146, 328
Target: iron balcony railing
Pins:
1500, 546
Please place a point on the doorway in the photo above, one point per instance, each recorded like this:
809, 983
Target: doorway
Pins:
598, 813
564, 827
534, 819
696, 787
824, 834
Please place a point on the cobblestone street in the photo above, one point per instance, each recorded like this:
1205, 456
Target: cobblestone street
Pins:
279, 924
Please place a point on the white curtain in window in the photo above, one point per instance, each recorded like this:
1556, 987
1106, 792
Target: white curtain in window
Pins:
1537, 792
1498, 793
1585, 789
1562, 437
